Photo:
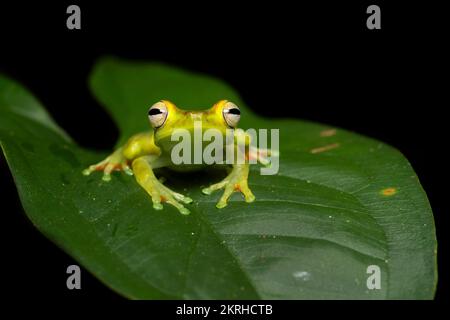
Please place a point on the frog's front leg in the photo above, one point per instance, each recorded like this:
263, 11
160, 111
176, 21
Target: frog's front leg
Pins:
236, 181
115, 161
138, 145
142, 168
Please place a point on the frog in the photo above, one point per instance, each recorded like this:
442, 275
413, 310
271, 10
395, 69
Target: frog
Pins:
147, 151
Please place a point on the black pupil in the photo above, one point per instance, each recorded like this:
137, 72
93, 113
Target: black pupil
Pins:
235, 111
154, 111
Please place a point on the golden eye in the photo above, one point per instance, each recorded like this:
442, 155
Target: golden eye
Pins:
231, 114
157, 114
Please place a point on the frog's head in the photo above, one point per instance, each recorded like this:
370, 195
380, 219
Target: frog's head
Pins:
165, 118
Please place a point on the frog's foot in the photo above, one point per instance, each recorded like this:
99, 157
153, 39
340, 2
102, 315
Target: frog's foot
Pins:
160, 193
157, 191
114, 162
236, 181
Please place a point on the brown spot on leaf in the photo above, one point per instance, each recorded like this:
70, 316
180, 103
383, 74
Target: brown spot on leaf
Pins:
325, 148
328, 133
388, 192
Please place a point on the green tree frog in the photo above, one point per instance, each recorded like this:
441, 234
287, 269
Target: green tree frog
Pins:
147, 151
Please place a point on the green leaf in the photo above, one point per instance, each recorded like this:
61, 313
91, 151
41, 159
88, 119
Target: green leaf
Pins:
340, 203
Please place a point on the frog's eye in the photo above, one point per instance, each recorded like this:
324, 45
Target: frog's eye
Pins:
231, 114
157, 114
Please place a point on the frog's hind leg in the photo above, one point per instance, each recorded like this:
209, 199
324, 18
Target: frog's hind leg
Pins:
159, 193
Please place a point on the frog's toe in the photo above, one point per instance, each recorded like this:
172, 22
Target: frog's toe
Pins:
214, 187
91, 168
172, 201
170, 193
87, 171
157, 206
249, 198
183, 210
223, 202
126, 168
109, 168
107, 172
182, 198
207, 191
245, 190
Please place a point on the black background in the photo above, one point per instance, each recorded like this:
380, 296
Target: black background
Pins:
314, 61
